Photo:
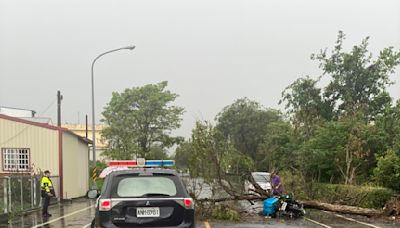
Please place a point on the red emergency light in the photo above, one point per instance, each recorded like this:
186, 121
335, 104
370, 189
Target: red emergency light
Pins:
125, 163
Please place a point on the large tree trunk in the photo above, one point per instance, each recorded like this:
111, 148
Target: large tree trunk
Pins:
308, 204
342, 208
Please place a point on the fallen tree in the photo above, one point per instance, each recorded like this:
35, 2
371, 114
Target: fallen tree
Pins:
260, 194
307, 204
342, 208
225, 185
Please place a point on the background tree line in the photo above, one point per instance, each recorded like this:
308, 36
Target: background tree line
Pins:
346, 132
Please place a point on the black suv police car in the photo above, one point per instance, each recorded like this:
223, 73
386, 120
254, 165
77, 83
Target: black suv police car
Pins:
144, 198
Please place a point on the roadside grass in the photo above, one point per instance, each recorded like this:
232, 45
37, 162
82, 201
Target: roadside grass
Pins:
366, 196
360, 196
99, 183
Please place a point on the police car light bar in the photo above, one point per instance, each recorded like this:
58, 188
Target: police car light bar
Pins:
141, 163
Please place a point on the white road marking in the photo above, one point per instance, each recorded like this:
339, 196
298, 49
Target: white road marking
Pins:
59, 218
318, 223
205, 223
352, 220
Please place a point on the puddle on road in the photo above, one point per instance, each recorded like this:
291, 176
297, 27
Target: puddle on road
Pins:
35, 218
332, 220
317, 215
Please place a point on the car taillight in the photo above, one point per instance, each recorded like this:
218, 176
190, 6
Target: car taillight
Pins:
105, 205
188, 203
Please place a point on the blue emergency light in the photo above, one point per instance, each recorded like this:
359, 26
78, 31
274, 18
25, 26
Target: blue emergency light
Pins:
159, 163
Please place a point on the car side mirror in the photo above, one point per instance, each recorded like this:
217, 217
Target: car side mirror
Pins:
92, 194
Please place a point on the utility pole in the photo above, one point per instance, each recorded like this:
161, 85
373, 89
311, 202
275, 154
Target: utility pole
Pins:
59, 99
86, 128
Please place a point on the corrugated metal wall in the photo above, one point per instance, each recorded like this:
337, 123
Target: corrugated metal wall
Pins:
76, 166
43, 145
42, 142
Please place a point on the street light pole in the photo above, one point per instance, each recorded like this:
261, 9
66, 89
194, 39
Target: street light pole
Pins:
93, 112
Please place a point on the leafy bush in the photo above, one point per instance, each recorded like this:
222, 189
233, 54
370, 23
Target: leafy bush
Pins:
100, 165
99, 183
294, 183
360, 196
224, 212
387, 172
221, 211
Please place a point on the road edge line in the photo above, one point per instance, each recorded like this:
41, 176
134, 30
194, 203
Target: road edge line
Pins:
59, 218
352, 220
318, 223
206, 224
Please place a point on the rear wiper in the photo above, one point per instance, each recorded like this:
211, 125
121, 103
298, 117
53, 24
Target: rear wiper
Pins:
153, 194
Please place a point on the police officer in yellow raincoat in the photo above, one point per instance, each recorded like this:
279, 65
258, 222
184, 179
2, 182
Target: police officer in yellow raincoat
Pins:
47, 191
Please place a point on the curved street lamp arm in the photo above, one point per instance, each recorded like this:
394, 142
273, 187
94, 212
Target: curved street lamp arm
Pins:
93, 109
107, 52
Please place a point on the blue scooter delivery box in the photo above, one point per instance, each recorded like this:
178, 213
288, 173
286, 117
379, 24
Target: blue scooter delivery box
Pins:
270, 206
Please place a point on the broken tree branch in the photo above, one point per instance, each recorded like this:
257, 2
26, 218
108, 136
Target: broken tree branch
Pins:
232, 198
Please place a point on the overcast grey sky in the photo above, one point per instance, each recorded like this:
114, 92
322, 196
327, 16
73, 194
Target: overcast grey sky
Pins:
211, 52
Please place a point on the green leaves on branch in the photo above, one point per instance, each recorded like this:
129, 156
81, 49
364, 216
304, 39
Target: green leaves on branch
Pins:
339, 150
342, 126
279, 149
357, 81
387, 172
389, 125
214, 160
139, 119
245, 123
306, 105
212, 157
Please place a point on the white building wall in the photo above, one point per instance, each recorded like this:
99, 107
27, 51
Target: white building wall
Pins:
42, 144
75, 166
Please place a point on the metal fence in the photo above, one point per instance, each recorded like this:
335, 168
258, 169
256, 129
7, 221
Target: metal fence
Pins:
22, 193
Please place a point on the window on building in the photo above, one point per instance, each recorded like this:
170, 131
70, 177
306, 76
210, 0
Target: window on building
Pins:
16, 159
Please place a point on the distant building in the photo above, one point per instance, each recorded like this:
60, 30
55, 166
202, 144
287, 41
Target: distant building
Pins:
17, 112
29, 147
101, 144
25, 114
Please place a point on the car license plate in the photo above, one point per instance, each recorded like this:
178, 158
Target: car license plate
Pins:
143, 212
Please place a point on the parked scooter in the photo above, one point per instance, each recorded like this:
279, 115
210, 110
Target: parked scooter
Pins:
287, 205
284, 205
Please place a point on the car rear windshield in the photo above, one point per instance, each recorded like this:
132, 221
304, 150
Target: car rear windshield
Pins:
146, 186
261, 178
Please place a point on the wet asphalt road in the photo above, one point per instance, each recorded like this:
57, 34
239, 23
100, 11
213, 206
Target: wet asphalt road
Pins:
77, 213
80, 212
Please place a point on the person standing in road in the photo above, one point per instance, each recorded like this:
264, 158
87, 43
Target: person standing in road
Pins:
47, 191
276, 184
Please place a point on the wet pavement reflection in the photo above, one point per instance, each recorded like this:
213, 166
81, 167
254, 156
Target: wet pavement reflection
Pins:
35, 219
79, 213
